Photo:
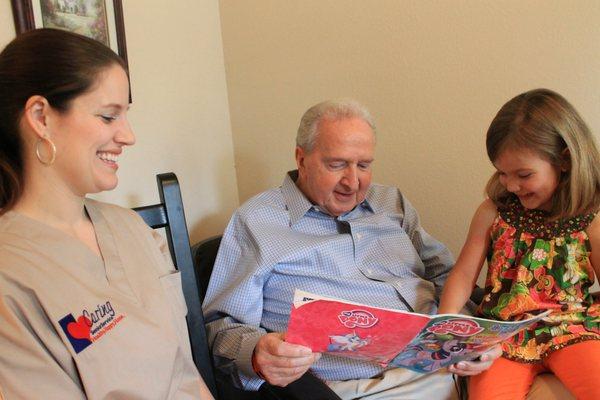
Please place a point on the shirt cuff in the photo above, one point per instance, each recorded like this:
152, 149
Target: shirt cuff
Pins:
250, 379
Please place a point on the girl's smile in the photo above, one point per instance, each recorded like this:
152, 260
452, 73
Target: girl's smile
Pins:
530, 177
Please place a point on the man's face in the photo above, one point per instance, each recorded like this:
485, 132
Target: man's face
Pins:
336, 173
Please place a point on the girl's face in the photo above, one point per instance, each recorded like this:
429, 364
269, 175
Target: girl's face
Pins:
91, 134
530, 177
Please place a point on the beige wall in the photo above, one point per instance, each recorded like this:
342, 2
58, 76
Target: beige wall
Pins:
434, 73
7, 26
180, 112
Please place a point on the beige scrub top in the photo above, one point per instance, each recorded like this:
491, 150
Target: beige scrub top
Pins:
75, 326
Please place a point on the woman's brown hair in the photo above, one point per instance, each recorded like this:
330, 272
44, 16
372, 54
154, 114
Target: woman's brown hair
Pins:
51, 63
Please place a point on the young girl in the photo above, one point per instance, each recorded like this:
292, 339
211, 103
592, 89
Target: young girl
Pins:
540, 232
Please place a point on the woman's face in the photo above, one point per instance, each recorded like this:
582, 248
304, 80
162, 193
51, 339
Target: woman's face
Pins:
91, 134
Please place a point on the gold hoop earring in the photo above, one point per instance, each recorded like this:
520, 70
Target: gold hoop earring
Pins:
52, 151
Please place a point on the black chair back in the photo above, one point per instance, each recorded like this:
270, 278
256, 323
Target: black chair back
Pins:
204, 254
169, 214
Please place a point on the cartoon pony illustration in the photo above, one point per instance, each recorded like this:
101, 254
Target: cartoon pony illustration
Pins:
431, 353
348, 342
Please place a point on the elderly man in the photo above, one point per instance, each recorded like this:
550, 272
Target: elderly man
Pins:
326, 230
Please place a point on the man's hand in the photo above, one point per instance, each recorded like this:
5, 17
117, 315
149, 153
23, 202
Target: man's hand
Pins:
279, 362
467, 368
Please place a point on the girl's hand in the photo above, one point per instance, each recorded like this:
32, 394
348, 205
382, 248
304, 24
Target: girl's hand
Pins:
468, 368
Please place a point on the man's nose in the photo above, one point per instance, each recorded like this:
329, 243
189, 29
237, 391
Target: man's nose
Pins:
350, 178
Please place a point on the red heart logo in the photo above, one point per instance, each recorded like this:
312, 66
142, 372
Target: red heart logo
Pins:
80, 329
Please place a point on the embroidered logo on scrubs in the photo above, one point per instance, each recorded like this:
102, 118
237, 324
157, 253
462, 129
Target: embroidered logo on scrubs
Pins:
90, 326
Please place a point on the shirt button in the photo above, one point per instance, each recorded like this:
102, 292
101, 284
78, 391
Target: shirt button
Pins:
358, 236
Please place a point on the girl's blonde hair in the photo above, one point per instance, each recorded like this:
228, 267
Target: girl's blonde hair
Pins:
545, 122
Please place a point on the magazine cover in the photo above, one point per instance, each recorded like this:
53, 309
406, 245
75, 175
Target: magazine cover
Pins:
419, 342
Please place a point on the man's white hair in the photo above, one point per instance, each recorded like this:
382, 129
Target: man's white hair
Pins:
329, 110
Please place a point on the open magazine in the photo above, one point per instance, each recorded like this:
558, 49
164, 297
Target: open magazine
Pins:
422, 343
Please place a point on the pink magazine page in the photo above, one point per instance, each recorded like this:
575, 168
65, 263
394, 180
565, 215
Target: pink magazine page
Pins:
349, 329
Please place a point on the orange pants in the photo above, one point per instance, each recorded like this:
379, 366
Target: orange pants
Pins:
577, 366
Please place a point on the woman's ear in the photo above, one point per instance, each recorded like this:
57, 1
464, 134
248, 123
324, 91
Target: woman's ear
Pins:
36, 115
565, 164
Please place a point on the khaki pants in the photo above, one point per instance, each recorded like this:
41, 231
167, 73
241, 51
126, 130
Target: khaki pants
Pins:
398, 383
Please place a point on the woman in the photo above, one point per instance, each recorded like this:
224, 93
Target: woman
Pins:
90, 303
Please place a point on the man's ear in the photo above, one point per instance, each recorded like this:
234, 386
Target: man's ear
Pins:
565, 164
299, 158
36, 115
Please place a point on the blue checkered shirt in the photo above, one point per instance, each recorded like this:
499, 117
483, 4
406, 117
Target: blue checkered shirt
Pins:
377, 254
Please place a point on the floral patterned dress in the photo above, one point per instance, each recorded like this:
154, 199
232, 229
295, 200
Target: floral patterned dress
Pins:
533, 266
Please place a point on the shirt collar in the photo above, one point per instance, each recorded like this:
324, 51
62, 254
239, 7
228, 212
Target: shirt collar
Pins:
298, 205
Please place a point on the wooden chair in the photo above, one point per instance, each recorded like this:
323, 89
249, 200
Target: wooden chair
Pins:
169, 214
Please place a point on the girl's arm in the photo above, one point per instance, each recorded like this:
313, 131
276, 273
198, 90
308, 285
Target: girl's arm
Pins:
593, 232
463, 276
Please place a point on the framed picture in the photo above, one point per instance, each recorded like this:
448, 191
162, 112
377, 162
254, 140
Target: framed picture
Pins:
98, 19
